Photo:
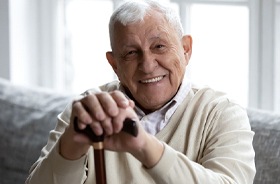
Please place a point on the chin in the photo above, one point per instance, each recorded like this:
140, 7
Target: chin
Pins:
155, 102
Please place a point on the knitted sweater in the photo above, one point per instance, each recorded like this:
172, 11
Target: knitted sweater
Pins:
207, 140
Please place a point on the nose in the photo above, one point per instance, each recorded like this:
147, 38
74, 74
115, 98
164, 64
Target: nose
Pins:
148, 63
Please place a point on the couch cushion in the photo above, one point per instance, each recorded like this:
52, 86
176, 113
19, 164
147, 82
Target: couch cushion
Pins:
266, 126
27, 115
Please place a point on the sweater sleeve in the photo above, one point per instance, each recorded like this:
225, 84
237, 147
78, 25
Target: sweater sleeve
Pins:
227, 155
51, 167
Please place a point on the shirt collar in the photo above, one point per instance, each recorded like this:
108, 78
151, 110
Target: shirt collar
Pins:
177, 99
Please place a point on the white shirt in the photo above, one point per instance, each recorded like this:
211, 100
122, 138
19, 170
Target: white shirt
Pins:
157, 120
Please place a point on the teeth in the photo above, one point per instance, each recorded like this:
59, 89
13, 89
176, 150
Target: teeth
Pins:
156, 79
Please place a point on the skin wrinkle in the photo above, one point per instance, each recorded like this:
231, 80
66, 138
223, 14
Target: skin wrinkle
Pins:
172, 47
146, 52
152, 153
165, 34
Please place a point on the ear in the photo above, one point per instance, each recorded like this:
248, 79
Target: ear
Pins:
112, 61
187, 46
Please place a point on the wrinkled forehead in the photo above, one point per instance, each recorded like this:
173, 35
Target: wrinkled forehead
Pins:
133, 12
152, 25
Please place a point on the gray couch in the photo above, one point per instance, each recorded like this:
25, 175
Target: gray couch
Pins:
27, 115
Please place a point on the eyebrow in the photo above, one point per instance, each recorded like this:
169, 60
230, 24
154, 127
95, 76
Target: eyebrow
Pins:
154, 38
160, 35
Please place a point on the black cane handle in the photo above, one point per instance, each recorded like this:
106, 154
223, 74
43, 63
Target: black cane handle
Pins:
129, 126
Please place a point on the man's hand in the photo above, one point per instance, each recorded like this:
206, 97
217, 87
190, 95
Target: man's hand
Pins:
105, 113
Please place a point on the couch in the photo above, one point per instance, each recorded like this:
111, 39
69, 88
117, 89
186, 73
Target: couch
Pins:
28, 114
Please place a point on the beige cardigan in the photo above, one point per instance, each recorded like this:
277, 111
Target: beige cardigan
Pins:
208, 140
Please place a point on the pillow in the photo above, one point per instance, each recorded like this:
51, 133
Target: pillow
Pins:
27, 115
266, 126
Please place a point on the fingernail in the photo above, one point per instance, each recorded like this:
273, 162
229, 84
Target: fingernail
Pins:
125, 102
82, 126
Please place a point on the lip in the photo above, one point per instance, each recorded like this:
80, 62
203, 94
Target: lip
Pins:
152, 80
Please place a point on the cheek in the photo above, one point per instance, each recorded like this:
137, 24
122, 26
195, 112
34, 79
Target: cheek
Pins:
125, 73
178, 62
178, 70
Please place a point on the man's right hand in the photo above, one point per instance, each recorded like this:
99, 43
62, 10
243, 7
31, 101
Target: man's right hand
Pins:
103, 111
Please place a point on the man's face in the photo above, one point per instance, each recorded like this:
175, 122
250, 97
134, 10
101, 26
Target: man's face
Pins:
150, 60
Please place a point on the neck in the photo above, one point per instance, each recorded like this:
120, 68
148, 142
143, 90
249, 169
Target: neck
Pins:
146, 111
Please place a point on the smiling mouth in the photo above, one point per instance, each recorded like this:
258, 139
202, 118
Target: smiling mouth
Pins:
152, 80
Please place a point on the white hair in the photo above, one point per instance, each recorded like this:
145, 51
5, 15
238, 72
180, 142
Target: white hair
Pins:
133, 11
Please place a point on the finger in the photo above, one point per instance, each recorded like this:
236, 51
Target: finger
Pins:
96, 128
107, 126
81, 125
131, 103
108, 104
117, 122
93, 106
120, 99
79, 111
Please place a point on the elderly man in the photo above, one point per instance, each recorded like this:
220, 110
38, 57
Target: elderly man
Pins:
186, 134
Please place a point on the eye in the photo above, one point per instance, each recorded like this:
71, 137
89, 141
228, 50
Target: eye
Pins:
129, 55
131, 52
160, 46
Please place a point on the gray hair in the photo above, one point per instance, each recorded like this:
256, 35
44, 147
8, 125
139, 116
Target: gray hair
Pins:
133, 11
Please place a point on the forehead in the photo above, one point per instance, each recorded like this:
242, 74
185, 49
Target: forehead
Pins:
153, 25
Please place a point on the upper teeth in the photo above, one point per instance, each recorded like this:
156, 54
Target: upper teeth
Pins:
156, 79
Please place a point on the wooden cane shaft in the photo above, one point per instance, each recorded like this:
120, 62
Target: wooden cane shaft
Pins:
100, 172
129, 126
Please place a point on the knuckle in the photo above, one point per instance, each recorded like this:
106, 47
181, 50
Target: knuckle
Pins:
101, 94
106, 122
116, 93
76, 104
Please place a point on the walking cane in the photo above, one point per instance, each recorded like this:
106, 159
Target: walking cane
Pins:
129, 126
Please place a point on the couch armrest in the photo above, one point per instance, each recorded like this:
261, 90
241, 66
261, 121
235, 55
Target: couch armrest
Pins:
27, 115
266, 126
